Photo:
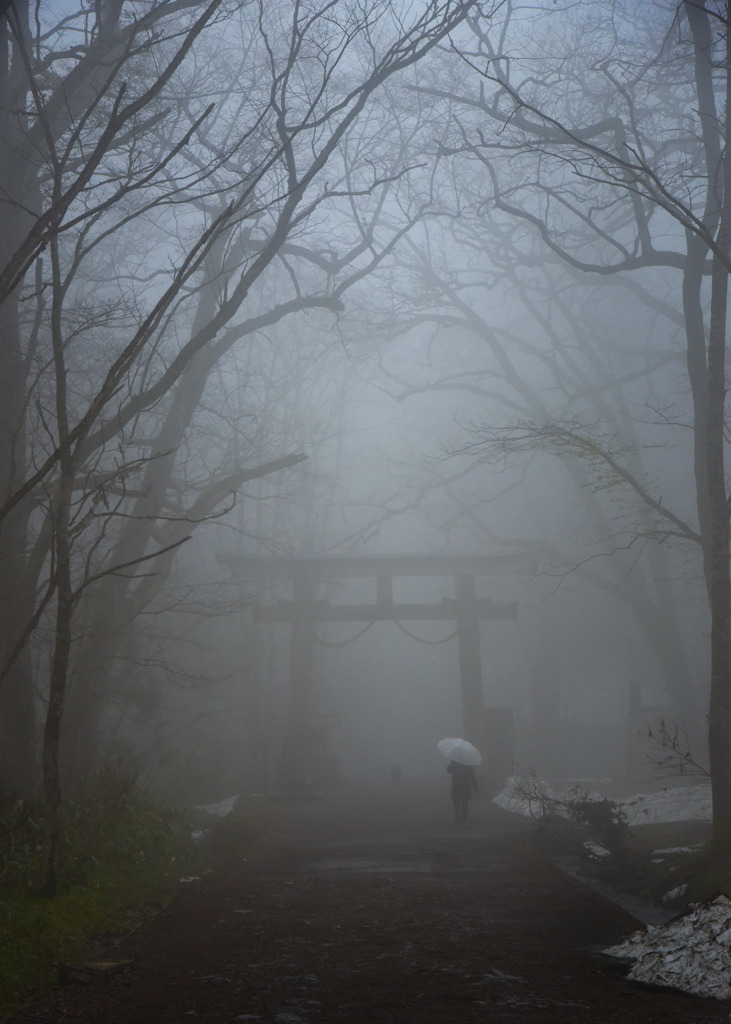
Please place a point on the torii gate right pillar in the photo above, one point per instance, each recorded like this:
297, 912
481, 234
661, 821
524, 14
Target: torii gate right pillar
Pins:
470, 662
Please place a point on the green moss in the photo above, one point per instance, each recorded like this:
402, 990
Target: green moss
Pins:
121, 857
38, 935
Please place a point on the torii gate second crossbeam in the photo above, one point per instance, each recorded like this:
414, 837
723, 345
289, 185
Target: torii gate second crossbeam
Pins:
303, 611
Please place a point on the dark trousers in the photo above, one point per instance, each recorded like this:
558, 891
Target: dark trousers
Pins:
460, 807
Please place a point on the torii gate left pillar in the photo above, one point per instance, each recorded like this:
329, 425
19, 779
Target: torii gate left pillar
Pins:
299, 712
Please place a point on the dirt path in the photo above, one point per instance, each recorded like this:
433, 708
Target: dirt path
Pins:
379, 911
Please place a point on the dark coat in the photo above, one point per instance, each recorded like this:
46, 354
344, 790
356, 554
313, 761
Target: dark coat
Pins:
464, 782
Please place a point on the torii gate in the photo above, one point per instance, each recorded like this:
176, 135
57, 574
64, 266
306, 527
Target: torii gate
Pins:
303, 611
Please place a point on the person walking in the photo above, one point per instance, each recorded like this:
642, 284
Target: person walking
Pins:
464, 784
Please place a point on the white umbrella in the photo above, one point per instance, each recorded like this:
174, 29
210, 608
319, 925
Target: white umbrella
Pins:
460, 751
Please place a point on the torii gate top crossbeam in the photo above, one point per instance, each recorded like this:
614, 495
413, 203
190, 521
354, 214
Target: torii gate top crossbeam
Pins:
334, 566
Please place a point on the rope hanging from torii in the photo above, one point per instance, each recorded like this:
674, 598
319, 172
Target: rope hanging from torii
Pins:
361, 632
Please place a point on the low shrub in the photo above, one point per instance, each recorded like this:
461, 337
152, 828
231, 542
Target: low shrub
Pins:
120, 857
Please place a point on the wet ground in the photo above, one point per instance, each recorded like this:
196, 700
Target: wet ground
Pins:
379, 909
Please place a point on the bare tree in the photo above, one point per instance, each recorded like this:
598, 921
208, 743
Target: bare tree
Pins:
112, 139
622, 180
555, 372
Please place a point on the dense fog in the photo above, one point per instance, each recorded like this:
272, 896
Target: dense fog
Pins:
369, 281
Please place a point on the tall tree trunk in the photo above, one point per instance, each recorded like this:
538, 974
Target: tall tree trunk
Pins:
719, 718
53, 822
18, 755
61, 519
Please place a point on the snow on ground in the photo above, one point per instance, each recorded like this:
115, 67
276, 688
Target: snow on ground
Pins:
693, 951
220, 809
683, 803
530, 796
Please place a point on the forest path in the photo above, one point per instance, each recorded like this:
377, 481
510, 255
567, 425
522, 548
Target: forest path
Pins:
378, 909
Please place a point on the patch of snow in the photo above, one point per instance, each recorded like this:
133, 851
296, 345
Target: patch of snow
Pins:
679, 849
220, 809
596, 851
682, 803
532, 797
679, 803
691, 953
675, 894
511, 798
